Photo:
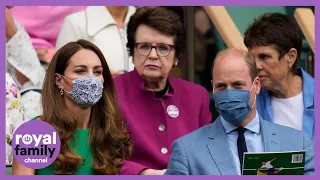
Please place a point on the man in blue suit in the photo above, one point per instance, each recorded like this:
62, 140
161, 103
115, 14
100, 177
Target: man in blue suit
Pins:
216, 149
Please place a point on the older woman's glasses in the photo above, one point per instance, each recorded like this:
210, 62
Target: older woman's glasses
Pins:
162, 49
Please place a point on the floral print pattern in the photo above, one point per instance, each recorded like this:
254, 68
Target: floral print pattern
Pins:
21, 56
15, 114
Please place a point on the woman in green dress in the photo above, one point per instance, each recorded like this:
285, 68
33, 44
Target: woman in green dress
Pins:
78, 100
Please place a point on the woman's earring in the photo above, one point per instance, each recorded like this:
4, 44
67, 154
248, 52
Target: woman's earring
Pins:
61, 91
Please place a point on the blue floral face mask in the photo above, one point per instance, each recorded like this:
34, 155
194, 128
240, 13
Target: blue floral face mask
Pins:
233, 104
86, 91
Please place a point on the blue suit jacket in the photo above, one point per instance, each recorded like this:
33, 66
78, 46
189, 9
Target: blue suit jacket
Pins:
206, 150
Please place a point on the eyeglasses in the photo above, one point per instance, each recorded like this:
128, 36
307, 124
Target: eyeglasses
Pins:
162, 49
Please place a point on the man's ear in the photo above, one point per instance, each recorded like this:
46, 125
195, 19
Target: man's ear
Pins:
257, 85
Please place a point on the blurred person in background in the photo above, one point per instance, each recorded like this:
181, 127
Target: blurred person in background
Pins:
23, 65
15, 114
105, 26
43, 24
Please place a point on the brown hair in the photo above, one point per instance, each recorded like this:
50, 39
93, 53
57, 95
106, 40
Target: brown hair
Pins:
165, 21
276, 29
110, 143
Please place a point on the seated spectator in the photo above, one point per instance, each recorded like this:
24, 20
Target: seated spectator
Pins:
24, 66
218, 148
15, 115
43, 24
287, 94
157, 107
78, 100
105, 26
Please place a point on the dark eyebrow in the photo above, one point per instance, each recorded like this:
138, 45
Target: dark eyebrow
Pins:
264, 54
81, 66
84, 66
238, 82
219, 84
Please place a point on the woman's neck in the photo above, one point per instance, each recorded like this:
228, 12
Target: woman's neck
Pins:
155, 85
81, 115
119, 14
289, 87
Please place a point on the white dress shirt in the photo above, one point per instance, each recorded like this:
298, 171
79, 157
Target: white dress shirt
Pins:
253, 136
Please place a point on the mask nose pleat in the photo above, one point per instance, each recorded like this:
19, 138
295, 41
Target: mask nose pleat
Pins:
86, 91
233, 105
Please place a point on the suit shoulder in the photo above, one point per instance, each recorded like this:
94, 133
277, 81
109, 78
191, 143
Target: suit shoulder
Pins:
196, 136
283, 129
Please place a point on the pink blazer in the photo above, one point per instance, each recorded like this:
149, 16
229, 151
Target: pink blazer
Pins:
155, 123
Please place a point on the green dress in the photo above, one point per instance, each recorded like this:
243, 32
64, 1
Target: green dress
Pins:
80, 145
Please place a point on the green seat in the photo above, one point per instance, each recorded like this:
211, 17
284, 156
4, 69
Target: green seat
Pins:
243, 16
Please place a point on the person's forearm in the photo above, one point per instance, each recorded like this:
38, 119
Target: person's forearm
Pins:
23, 58
21, 78
11, 30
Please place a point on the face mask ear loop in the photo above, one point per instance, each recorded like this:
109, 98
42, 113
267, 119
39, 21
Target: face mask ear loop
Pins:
66, 91
252, 84
255, 97
68, 80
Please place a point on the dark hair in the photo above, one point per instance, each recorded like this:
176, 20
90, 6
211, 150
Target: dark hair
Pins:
164, 20
108, 134
249, 59
276, 29
177, 9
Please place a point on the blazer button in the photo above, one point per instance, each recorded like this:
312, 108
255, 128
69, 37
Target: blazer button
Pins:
162, 127
164, 150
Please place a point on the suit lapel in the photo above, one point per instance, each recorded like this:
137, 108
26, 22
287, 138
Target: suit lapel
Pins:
271, 140
220, 150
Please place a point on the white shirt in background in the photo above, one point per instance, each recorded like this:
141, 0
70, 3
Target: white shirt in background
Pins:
95, 24
289, 111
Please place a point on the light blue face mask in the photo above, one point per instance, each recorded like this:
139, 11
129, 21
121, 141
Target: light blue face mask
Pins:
233, 104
